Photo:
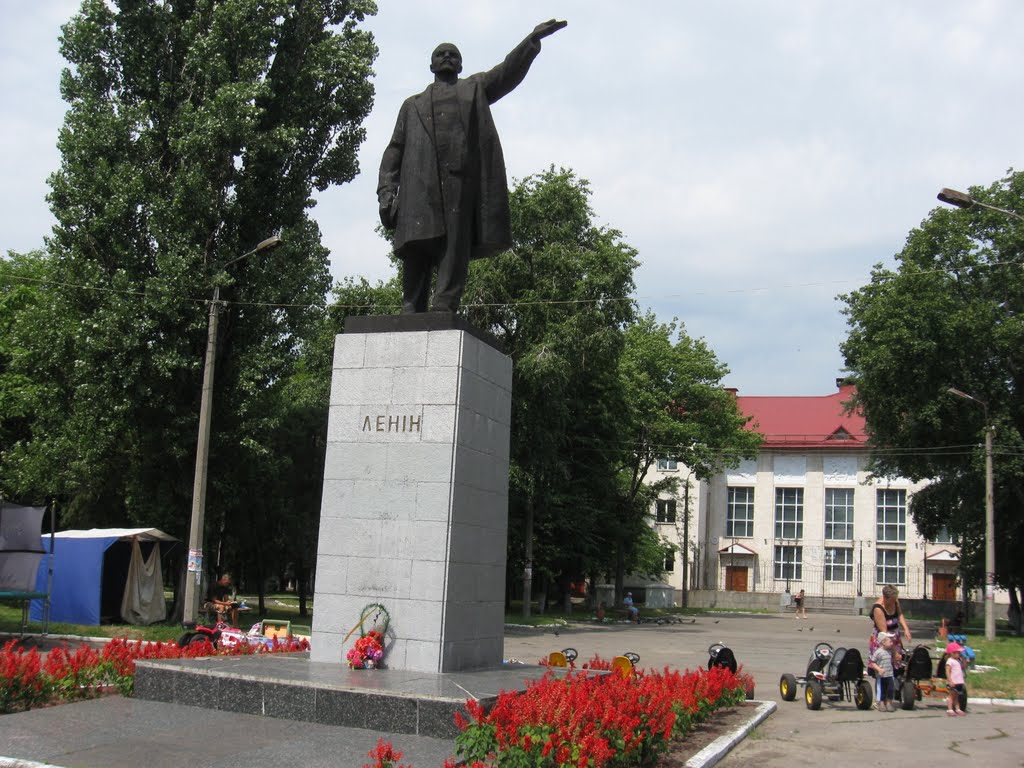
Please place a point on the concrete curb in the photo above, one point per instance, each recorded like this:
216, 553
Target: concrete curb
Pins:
13, 762
994, 702
720, 747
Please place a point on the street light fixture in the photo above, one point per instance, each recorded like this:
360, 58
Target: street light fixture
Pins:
963, 200
195, 535
990, 546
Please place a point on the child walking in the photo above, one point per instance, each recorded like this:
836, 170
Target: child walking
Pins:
954, 678
881, 662
801, 604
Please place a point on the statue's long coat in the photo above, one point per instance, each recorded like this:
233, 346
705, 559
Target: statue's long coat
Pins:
410, 161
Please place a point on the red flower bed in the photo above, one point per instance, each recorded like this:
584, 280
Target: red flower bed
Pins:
587, 720
27, 681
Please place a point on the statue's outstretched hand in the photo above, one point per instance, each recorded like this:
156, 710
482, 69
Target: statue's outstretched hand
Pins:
547, 28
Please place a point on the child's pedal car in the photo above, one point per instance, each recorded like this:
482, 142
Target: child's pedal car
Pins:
721, 655
833, 673
562, 658
625, 664
918, 680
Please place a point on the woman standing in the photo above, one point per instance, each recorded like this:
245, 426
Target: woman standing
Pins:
888, 618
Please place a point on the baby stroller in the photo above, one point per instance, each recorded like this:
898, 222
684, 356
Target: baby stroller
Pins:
835, 673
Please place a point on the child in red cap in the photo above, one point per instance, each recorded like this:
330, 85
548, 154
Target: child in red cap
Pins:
954, 678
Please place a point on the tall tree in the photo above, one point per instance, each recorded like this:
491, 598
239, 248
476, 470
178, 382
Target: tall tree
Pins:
558, 302
675, 408
195, 129
950, 315
28, 386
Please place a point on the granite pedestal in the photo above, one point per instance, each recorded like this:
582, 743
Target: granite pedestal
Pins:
415, 497
292, 687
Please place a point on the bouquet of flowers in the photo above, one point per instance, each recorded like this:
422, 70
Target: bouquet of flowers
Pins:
367, 652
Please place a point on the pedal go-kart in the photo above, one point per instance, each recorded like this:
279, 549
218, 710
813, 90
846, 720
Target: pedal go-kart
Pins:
721, 655
833, 673
918, 680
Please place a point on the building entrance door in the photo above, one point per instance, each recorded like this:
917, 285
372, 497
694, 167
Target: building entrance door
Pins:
943, 586
735, 578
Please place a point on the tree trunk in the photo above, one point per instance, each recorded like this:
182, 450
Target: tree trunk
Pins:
528, 557
620, 571
1014, 613
301, 576
260, 587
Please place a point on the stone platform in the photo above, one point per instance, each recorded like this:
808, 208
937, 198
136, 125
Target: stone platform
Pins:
292, 687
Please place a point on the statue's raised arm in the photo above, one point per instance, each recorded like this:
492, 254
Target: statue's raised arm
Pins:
546, 28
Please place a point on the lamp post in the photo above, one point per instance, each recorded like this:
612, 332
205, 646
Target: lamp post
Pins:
195, 535
990, 546
963, 200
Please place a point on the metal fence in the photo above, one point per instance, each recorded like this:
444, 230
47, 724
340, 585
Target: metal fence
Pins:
821, 581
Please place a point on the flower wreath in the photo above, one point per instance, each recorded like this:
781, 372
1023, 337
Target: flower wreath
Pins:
368, 650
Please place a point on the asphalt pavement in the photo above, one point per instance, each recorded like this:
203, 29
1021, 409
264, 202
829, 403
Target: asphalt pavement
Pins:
115, 731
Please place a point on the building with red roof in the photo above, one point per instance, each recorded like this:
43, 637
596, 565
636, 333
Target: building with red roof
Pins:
805, 514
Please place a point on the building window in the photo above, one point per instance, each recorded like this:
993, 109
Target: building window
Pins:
670, 561
943, 537
665, 510
789, 513
667, 465
839, 564
839, 514
891, 515
891, 566
739, 519
789, 562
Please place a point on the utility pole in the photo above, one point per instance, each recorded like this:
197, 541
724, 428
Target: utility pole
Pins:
194, 577
686, 542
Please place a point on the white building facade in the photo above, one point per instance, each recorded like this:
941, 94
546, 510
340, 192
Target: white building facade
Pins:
805, 514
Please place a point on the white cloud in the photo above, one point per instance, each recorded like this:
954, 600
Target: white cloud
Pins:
741, 146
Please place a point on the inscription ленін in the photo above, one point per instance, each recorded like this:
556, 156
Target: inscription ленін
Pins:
384, 423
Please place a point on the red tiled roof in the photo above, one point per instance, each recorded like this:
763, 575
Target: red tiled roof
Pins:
806, 422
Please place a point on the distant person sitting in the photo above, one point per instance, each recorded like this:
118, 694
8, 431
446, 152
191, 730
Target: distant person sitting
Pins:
222, 600
634, 612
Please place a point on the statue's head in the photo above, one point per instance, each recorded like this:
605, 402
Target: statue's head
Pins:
446, 60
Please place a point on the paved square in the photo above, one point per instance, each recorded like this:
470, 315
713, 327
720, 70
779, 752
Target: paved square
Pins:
838, 735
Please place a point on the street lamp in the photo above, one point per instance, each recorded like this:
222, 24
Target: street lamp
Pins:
990, 546
963, 200
195, 535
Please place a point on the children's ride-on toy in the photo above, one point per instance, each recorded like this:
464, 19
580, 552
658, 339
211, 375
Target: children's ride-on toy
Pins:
721, 655
625, 663
562, 658
833, 673
918, 681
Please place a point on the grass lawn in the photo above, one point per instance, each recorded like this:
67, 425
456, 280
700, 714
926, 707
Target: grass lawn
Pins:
1007, 655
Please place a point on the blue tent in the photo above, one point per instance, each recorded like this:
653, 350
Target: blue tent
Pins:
90, 571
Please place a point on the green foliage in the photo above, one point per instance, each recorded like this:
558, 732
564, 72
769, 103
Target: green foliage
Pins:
674, 407
558, 303
600, 393
194, 130
950, 315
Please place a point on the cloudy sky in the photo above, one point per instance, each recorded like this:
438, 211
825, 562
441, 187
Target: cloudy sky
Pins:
761, 155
